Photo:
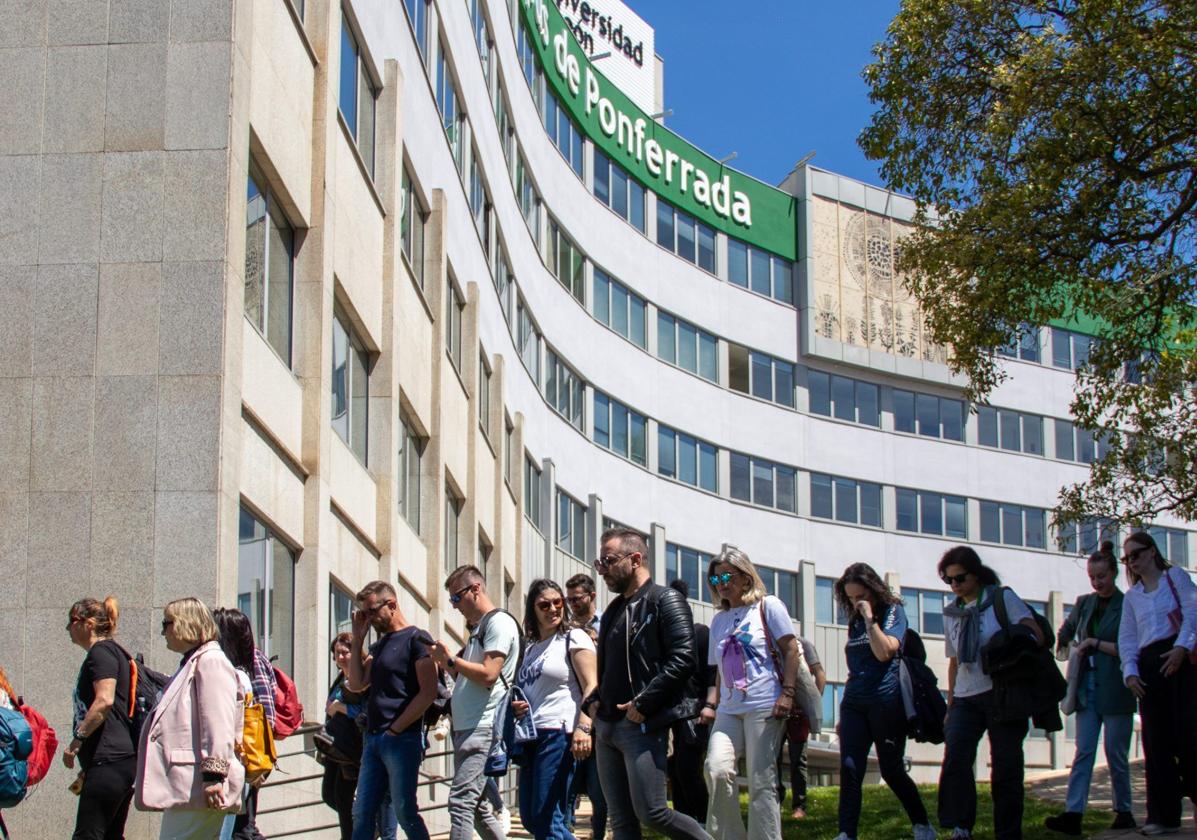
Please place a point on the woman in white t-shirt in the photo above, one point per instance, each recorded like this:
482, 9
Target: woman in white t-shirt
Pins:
749, 703
969, 622
559, 669
1156, 636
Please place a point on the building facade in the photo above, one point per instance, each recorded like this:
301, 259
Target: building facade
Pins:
297, 294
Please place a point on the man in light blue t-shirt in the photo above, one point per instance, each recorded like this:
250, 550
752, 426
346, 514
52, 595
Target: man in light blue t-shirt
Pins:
483, 672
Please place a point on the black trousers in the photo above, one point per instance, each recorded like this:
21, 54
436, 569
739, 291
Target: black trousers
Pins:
881, 725
1169, 734
104, 801
969, 719
798, 779
245, 824
337, 792
686, 782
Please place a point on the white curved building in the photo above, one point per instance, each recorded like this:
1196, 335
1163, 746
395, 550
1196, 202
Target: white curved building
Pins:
297, 294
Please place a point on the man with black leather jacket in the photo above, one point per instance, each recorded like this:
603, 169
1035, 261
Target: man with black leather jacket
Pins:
646, 657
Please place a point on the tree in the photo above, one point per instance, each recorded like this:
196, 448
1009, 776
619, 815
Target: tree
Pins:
1052, 150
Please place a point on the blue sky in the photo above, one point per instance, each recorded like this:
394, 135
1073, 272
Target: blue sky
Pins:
770, 79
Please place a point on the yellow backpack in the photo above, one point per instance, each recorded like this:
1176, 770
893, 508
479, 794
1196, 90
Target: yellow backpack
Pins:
256, 750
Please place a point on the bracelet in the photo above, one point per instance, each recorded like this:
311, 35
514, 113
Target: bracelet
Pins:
712, 706
585, 727
78, 735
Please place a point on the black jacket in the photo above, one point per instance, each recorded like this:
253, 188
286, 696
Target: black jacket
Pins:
662, 656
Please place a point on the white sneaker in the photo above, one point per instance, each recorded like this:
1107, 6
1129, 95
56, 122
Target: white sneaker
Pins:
925, 832
842, 836
505, 819
961, 834
1154, 829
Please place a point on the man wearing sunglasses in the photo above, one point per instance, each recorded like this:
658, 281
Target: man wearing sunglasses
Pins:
646, 657
484, 669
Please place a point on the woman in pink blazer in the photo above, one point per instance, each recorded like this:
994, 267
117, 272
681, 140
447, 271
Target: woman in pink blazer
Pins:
186, 765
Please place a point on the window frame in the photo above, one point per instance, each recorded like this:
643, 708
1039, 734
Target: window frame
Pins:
354, 345
274, 218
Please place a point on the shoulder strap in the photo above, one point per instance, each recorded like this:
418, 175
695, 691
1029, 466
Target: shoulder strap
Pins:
999, 605
769, 642
1172, 586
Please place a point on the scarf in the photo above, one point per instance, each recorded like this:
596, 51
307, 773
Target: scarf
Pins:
969, 643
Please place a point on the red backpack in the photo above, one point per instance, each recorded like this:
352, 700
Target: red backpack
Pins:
45, 742
288, 711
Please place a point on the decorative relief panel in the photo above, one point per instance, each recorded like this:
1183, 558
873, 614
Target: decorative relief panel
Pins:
859, 297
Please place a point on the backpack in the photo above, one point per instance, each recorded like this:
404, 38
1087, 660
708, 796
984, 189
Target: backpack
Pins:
288, 711
924, 706
16, 745
999, 606
145, 690
45, 742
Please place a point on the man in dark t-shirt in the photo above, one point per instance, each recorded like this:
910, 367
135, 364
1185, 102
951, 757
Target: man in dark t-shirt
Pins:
400, 679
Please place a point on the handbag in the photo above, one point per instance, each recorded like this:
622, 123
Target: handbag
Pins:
799, 722
1076, 666
1176, 617
256, 750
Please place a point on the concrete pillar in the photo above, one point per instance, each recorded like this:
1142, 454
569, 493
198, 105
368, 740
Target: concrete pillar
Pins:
657, 548
806, 598
548, 512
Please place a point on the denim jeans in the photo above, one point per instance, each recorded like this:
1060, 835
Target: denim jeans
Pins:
1118, 737
880, 724
390, 762
586, 781
469, 808
968, 719
545, 778
631, 766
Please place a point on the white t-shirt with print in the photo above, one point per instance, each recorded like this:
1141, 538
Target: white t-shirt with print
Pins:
473, 705
970, 679
549, 682
763, 688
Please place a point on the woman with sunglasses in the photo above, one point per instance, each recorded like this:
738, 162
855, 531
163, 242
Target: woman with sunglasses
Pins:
558, 670
749, 702
969, 622
1157, 634
872, 712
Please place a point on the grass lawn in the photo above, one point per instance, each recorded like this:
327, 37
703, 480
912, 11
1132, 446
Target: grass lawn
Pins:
882, 818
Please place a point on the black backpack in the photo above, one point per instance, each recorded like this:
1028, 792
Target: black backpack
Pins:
145, 690
925, 707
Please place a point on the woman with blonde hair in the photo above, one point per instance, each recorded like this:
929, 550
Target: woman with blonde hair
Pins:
102, 739
759, 665
186, 763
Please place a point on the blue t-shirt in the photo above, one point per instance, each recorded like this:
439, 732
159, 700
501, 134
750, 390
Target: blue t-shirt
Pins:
870, 679
393, 680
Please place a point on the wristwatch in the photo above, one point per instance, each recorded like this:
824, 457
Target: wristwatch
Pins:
451, 663
585, 727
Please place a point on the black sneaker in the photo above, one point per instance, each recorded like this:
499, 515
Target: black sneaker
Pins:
1067, 823
1124, 819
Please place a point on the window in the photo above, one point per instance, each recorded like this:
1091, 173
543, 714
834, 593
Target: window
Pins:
932, 416
358, 94
506, 128
845, 500
1087, 536
528, 340
1070, 350
484, 551
532, 479
417, 13
527, 58
620, 429
763, 483
685, 345
760, 271
1013, 525
266, 588
687, 459
750, 372
932, 513
690, 565
685, 236
454, 306
269, 266
999, 427
350, 386
504, 286
480, 206
1173, 544
783, 585
484, 377
482, 38
452, 119
564, 132
571, 525
1077, 444
622, 193
453, 508
340, 613
566, 262
528, 197
1023, 346
411, 226
619, 308
843, 398
827, 611
924, 610
563, 389
411, 462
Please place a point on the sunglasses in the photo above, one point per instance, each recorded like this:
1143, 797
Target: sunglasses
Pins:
456, 597
610, 560
374, 609
578, 599
725, 577
166, 623
955, 579
1133, 554
546, 606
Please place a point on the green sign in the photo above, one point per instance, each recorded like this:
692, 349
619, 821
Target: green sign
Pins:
662, 161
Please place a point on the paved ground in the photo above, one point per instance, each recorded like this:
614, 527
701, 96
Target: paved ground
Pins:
1054, 786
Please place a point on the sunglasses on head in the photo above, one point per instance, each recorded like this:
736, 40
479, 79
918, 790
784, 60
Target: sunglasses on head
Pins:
957, 579
554, 604
724, 577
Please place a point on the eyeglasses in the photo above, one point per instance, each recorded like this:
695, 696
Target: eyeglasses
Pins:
374, 609
546, 606
725, 577
955, 579
1133, 554
610, 560
456, 597
166, 622
578, 599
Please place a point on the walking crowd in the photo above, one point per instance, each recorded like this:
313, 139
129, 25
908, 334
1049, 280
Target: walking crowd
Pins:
626, 706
